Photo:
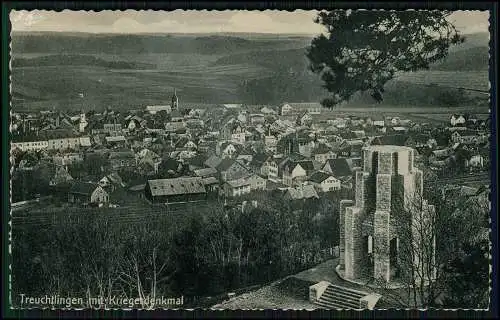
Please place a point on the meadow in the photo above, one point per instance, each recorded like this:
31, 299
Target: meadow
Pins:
203, 69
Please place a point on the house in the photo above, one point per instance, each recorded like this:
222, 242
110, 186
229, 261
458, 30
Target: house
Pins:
63, 143
467, 137
227, 149
440, 158
321, 153
234, 131
134, 123
302, 192
230, 169
116, 140
476, 161
324, 181
286, 109
256, 118
213, 161
121, 159
111, 181
232, 106
237, 187
297, 108
457, 120
257, 182
87, 192
169, 166
395, 121
267, 111
85, 142
112, 128
146, 156
211, 184
155, 109
270, 168
271, 143
32, 145
376, 121
304, 119
297, 171
205, 172
392, 140
339, 168
257, 162
399, 129
61, 176
65, 159
178, 126
176, 190
421, 140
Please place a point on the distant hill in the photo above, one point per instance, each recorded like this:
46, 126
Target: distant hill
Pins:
74, 43
130, 71
471, 59
274, 59
77, 60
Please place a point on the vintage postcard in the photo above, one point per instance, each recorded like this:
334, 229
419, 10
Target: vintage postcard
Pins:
247, 160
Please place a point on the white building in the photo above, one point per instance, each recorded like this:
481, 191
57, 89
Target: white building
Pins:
30, 145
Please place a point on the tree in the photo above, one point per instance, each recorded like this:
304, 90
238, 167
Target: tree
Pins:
442, 251
362, 50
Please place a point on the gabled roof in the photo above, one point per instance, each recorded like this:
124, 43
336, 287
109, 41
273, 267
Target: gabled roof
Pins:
303, 192
226, 164
176, 186
121, 155
307, 165
243, 181
147, 153
116, 139
210, 180
320, 176
420, 138
198, 160
322, 148
213, 161
393, 140
258, 159
168, 163
304, 105
86, 188
340, 167
205, 172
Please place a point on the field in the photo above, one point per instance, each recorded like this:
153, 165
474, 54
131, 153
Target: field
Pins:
203, 69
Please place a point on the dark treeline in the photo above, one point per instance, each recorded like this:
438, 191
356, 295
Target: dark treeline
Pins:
204, 252
77, 60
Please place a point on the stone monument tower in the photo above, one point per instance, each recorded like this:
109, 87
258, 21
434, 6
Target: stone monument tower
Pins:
370, 233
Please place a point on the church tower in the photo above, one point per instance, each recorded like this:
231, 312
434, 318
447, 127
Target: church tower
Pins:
175, 101
83, 121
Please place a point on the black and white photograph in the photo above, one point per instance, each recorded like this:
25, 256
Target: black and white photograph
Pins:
332, 159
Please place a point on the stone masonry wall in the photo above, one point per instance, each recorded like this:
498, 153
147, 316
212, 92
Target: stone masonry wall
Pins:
381, 245
353, 243
343, 206
374, 191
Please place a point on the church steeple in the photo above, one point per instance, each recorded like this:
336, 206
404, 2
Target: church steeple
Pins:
175, 101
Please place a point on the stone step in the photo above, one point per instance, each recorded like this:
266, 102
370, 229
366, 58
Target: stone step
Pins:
343, 293
352, 291
346, 303
334, 306
340, 298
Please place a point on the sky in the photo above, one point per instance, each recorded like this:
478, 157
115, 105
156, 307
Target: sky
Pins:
193, 21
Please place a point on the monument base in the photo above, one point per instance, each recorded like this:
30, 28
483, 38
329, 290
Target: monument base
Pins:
368, 282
